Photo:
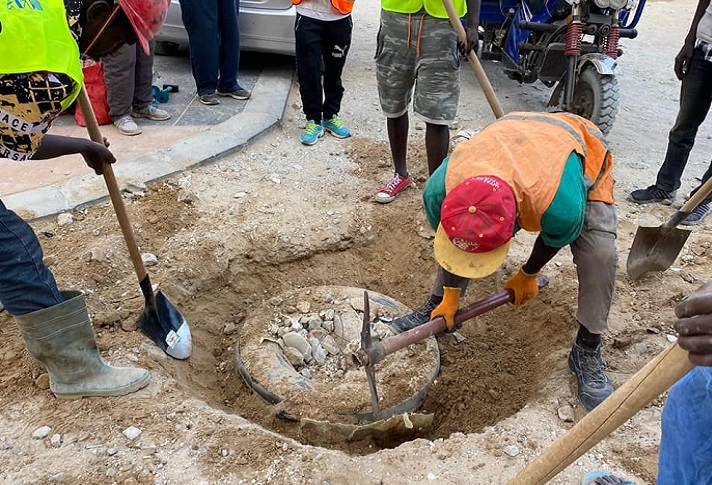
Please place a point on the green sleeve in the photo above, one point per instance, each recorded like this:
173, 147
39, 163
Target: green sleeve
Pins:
562, 222
434, 194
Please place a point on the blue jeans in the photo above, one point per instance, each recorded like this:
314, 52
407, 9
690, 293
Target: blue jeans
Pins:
26, 284
695, 100
686, 445
214, 39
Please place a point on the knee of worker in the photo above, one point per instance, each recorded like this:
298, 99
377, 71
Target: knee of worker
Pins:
597, 259
595, 249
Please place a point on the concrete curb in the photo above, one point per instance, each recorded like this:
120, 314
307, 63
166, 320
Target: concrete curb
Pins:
262, 112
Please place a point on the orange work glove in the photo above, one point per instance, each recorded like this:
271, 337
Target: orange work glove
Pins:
524, 286
448, 307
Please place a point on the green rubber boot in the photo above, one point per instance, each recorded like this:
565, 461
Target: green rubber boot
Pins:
62, 338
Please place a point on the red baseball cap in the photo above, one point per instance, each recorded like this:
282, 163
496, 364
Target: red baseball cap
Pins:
476, 226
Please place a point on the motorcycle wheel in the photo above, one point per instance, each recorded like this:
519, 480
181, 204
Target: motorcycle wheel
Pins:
597, 98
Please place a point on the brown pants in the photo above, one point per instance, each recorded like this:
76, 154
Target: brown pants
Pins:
596, 262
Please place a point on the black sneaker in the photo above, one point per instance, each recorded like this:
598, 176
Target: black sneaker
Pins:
593, 383
696, 215
418, 317
652, 194
239, 93
209, 99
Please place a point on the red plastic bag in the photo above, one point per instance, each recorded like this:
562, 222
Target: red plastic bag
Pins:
96, 89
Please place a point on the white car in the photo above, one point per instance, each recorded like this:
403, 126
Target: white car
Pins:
265, 26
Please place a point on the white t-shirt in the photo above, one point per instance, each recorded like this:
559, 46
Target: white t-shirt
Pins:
704, 28
319, 10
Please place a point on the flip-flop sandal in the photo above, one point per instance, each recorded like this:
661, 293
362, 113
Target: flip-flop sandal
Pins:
591, 476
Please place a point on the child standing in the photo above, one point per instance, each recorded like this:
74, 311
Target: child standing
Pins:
323, 36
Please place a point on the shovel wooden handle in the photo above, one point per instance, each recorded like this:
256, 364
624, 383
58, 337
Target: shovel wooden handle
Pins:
690, 205
477, 68
113, 186
648, 383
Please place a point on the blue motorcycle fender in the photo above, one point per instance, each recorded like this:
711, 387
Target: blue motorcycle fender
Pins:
605, 65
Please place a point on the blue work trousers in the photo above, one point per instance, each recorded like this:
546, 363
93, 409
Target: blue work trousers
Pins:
214, 39
695, 100
686, 444
26, 284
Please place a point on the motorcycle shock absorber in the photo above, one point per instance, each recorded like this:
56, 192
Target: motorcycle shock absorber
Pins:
612, 40
572, 50
574, 35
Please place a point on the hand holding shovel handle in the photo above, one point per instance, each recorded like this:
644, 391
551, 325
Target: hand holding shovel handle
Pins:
477, 68
161, 321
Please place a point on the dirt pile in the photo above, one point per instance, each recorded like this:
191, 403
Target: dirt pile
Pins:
246, 238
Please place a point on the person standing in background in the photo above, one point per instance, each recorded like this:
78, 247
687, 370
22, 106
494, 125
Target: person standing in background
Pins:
693, 66
323, 35
214, 39
417, 59
128, 73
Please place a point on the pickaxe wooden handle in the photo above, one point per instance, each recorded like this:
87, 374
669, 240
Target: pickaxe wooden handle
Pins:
376, 351
648, 383
477, 68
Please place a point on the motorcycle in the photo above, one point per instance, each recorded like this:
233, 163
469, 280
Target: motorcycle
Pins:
570, 44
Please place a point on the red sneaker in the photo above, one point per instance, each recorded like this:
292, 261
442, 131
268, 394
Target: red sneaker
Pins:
389, 191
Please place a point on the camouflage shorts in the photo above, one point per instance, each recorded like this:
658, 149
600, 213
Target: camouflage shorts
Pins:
425, 56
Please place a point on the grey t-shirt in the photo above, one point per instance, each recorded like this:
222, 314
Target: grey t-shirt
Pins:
704, 28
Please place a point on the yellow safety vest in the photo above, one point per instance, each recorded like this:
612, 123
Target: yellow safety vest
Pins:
434, 8
342, 6
35, 37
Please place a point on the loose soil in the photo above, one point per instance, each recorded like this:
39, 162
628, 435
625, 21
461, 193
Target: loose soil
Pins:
279, 217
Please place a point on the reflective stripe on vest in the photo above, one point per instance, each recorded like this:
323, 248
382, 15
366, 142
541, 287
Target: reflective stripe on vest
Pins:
529, 150
434, 8
35, 37
344, 7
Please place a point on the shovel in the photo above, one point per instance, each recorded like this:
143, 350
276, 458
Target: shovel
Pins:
656, 248
477, 68
161, 321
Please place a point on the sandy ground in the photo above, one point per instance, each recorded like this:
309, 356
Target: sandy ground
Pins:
278, 217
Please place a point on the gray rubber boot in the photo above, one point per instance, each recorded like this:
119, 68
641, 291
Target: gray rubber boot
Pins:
62, 338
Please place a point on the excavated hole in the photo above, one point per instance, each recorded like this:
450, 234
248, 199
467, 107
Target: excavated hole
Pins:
503, 363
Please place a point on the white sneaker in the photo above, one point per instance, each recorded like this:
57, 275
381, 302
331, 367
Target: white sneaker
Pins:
152, 113
127, 126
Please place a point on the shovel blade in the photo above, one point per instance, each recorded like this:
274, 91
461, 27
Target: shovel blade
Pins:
654, 249
166, 327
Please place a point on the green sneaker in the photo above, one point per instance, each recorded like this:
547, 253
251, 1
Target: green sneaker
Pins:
336, 127
312, 133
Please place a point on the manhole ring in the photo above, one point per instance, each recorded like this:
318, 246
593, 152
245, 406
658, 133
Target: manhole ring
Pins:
333, 390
